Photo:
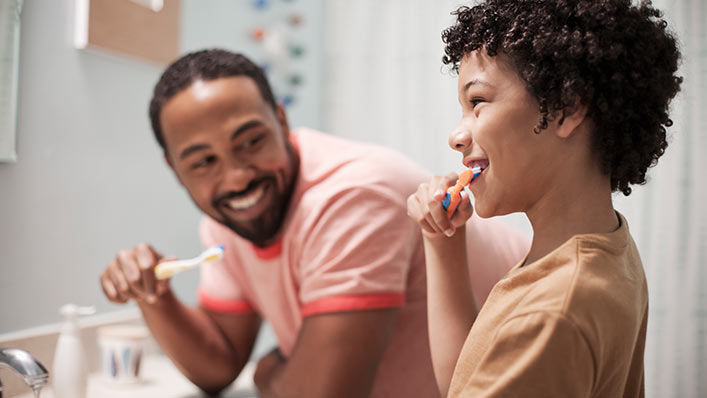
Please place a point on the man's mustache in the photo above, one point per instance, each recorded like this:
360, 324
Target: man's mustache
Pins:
235, 194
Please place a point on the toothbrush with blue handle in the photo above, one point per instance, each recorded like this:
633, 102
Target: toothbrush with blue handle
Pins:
453, 197
168, 268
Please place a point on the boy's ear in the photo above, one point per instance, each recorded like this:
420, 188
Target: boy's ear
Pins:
570, 118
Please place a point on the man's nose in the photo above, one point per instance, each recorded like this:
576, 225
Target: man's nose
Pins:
460, 139
238, 174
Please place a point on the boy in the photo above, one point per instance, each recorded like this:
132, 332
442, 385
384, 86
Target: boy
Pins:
563, 103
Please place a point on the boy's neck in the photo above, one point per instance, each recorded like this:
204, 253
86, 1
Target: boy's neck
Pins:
581, 206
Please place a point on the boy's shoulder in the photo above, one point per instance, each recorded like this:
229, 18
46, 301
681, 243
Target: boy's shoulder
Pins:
593, 275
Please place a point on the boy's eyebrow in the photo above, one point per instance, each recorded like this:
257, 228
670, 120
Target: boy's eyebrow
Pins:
476, 81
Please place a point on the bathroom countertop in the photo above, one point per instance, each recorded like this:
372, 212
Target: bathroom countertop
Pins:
160, 379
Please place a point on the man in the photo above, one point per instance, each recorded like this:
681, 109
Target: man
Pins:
317, 242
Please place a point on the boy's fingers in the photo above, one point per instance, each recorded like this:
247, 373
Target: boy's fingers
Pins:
439, 217
463, 212
427, 228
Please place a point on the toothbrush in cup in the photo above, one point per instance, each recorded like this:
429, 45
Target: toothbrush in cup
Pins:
168, 268
453, 196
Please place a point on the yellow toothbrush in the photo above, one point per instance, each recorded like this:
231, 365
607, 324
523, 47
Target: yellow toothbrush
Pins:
169, 268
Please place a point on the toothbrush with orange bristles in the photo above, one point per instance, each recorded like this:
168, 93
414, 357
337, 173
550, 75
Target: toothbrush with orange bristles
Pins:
453, 197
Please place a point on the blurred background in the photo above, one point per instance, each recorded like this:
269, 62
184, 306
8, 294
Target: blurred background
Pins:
82, 176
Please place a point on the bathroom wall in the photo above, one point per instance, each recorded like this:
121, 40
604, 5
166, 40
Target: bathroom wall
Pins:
90, 178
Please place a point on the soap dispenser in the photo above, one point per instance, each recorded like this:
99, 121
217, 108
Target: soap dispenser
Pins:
69, 372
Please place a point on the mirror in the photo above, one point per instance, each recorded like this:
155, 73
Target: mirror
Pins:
9, 68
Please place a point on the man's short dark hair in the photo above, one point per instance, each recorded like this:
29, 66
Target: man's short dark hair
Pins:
205, 65
617, 58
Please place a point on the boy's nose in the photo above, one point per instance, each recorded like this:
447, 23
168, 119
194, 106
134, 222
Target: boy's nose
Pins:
459, 139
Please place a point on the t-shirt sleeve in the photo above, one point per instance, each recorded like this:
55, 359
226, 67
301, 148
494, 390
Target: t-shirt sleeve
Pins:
357, 254
534, 355
219, 289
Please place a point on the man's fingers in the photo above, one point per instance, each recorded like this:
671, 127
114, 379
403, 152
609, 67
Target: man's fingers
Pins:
128, 261
127, 277
113, 289
147, 259
131, 275
110, 291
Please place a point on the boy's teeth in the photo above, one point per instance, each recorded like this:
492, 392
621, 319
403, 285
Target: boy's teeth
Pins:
248, 200
481, 165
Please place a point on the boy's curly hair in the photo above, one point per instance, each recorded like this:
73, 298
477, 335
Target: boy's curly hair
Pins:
617, 58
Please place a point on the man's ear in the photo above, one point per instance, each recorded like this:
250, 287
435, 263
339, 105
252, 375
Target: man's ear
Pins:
570, 118
282, 119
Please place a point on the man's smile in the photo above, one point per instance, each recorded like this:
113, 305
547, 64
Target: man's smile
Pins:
247, 200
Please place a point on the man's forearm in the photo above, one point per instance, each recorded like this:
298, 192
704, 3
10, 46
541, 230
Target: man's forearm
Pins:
284, 381
451, 309
193, 342
336, 355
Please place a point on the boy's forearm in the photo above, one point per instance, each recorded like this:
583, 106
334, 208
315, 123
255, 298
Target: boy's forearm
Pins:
193, 342
451, 309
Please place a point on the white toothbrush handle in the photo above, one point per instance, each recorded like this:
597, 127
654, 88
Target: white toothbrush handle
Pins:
169, 268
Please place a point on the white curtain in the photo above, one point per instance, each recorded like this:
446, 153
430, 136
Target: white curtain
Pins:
668, 219
384, 80
384, 83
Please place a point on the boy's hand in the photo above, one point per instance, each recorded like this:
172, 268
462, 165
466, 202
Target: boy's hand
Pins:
425, 207
131, 275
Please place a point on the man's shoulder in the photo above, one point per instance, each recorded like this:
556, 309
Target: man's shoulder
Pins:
338, 163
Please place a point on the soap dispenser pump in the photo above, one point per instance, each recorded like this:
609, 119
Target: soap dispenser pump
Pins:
69, 372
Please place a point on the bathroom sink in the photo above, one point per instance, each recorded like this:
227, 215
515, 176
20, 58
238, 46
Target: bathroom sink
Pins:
160, 379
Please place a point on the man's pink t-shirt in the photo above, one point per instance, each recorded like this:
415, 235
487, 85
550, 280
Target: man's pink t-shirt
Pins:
348, 244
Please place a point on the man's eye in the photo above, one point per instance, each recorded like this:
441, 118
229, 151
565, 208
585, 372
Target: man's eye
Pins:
203, 162
251, 143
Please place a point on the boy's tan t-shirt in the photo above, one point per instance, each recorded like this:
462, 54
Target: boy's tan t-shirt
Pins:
572, 324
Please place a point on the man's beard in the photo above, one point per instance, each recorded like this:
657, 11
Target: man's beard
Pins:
262, 229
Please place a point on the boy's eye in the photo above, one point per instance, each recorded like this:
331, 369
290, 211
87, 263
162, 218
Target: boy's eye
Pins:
476, 101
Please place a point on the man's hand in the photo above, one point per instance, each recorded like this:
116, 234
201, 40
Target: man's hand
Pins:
131, 275
267, 367
425, 207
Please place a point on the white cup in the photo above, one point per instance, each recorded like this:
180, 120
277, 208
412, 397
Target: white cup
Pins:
122, 348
